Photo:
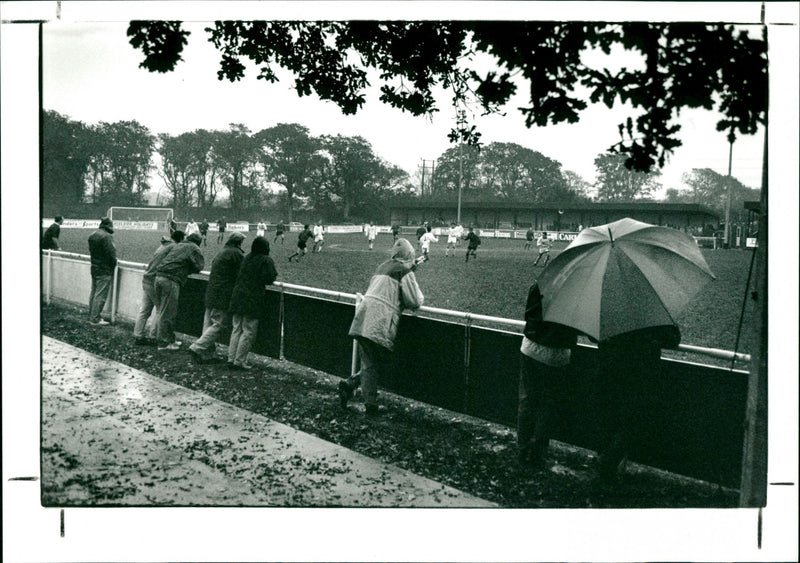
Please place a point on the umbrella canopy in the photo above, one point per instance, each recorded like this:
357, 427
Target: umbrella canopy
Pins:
622, 277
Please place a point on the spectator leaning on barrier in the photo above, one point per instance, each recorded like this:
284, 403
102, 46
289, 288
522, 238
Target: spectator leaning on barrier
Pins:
149, 292
544, 355
104, 259
51, 235
181, 260
217, 318
248, 300
392, 288
623, 361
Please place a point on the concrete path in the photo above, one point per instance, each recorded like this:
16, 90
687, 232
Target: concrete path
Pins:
114, 435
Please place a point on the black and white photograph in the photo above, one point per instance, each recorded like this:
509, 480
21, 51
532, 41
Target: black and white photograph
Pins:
407, 281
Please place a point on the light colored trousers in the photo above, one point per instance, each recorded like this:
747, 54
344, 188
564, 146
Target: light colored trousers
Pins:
215, 321
146, 310
242, 338
101, 287
167, 294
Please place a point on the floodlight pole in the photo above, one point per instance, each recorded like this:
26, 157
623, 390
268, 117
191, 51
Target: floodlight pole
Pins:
460, 118
727, 233
460, 174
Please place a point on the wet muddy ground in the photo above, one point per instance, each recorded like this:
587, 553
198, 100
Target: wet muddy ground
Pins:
457, 451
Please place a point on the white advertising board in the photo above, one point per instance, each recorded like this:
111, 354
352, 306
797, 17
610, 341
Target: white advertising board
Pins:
94, 223
343, 229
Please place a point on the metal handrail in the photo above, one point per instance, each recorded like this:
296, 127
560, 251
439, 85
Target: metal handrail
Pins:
345, 297
513, 323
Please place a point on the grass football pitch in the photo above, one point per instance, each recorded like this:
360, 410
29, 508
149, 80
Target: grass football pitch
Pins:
494, 284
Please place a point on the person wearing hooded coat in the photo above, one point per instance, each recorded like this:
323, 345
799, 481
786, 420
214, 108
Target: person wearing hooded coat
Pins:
217, 318
104, 259
392, 288
247, 301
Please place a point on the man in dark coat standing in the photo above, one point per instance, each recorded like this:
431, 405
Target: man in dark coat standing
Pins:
182, 260
50, 238
104, 259
247, 301
224, 270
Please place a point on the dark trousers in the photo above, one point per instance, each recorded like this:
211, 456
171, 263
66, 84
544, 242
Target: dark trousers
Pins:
540, 387
374, 361
621, 408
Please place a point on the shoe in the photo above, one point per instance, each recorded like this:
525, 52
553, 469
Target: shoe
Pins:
345, 393
144, 342
101, 322
240, 367
173, 346
198, 359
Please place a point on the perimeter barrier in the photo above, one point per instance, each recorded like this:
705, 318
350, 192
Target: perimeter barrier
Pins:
692, 415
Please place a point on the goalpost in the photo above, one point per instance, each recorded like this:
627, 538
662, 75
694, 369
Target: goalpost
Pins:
158, 215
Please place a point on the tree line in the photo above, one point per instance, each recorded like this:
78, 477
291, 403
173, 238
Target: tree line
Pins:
112, 164
338, 177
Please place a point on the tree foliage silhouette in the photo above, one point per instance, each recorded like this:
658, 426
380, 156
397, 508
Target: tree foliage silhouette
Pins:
685, 65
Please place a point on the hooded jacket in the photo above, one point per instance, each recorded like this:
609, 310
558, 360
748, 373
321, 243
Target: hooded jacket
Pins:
181, 260
224, 271
102, 250
392, 288
257, 271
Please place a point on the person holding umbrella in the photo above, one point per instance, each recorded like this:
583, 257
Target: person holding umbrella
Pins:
622, 361
623, 285
544, 357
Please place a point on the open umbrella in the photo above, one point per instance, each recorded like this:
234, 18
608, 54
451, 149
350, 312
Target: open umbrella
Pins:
621, 277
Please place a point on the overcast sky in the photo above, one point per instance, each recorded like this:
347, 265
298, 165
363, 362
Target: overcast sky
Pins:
91, 74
